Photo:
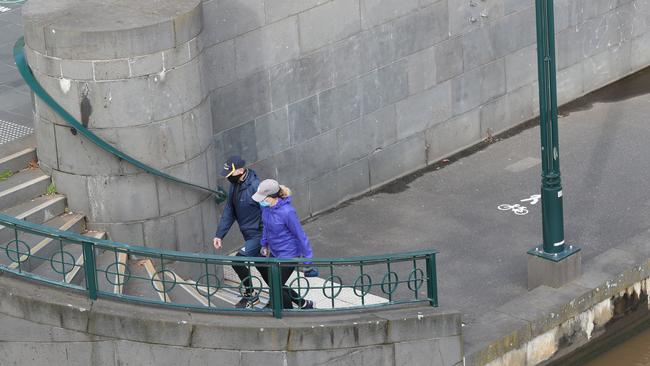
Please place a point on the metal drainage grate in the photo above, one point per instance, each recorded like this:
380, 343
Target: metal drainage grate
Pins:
10, 131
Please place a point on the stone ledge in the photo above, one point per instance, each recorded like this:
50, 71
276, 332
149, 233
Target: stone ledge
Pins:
150, 324
99, 29
530, 327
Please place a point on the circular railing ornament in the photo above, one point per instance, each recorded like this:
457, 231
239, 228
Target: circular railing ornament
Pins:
364, 283
14, 253
334, 286
163, 279
388, 281
299, 290
65, 266
120, 278
202, 287
416, 280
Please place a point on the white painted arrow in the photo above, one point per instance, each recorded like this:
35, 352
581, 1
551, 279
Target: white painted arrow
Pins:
533, 199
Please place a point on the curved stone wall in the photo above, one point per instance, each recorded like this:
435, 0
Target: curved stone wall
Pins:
44, 325
131, 74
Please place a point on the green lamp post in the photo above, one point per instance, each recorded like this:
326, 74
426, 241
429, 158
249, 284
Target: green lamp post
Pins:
553, 249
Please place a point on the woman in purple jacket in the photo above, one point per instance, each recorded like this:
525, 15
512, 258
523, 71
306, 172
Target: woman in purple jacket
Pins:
282, 235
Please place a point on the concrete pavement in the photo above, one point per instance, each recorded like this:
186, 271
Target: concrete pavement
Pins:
453, 206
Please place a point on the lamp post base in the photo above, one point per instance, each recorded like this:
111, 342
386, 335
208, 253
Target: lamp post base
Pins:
553, 269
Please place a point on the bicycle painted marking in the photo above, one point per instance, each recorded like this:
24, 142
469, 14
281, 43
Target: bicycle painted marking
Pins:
517, 208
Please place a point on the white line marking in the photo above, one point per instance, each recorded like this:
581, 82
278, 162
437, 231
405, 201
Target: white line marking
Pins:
558, 243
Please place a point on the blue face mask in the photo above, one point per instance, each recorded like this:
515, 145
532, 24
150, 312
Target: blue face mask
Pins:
265, 204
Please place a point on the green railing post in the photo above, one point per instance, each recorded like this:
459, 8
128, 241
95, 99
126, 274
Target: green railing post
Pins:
275, 289
432, 280
90, 270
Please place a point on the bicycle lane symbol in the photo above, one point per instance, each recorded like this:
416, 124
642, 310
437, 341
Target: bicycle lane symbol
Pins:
517, 208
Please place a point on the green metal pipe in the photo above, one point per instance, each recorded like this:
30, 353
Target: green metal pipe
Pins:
552, 211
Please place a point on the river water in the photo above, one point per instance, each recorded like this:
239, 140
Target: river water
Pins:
633, 352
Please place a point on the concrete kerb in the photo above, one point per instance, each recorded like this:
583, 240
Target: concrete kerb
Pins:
560, 318
155, 325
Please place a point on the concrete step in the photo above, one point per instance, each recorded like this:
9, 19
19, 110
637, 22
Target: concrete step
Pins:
112, 271
140, 283
39, 209
70, 274
17, 161
22, 186
41, 248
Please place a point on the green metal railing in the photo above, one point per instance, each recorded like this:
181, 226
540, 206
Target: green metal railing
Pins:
103, 268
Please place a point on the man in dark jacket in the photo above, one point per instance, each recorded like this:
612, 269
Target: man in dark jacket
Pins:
240, 207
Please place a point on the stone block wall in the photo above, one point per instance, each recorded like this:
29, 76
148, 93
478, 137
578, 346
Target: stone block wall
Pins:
48, 326
336, 97
133, 78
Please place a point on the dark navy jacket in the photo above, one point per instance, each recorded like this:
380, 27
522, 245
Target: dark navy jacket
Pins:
240, 207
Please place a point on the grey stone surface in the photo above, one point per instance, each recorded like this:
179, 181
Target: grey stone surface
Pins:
377, 355
146, 65
159, 145
92, 30
304, 120
127, 198
189, 228
197, 129
75, 187
128, 233
240, 140
160, 233
478, 86
272, 133
111, 70
241, 101
449, 59
453, 135
418, 112
340, 105
309, 160
226, 19
384, 86
76, 154
398, 159
422, 70
521, 68
375, 12
515, 107
276, 10
361, 137
174, 197
70, 69
317, 29
554, 274
266, 46
300, 78
219, 64
328, 190
46, 143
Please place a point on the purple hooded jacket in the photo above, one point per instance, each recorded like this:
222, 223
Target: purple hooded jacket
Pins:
282, 232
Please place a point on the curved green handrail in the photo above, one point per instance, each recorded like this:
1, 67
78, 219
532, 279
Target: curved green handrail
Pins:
28, 76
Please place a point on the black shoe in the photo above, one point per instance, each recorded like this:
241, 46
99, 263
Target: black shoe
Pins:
307, 305
247, 301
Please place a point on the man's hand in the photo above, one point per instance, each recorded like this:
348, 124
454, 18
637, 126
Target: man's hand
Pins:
217, 243
265, 251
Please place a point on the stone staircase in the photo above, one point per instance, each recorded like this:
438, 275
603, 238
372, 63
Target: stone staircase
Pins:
24, 195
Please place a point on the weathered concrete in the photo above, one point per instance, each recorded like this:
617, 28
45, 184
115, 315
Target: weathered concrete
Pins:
542, 271
65, 327
133, 77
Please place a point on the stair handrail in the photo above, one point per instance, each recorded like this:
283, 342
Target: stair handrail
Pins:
18, 252
27, 74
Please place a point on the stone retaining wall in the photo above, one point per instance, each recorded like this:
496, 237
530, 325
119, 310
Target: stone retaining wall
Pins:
43, 325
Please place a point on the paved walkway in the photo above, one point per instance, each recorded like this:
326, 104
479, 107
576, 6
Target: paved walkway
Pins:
482, 263
16, 120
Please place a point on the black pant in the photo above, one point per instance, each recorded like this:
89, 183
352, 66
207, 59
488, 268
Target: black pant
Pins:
244, 274
288, 294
